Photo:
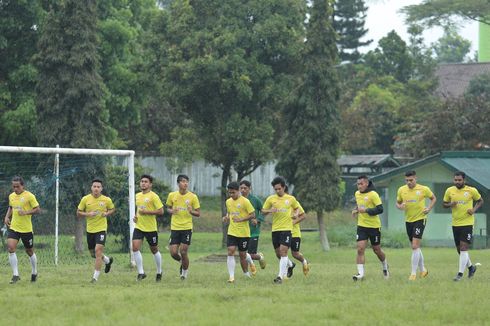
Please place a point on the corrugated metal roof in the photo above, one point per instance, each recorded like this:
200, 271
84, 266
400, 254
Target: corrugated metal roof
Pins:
366, 160
455, 78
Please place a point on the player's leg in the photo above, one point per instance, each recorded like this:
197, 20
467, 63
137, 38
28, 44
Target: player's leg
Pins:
174, 244
295, 247
138, 258
28, 241
251, 253
99, 254
242, 252
465, 235
185, 240
152, 239
12, 241
91, 248
360, 259
285, 269
231, 243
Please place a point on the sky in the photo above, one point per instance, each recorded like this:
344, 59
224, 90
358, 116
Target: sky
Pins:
383, 16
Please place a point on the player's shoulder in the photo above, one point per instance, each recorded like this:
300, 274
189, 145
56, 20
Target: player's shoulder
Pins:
403, 188
154, 194
27, 193
191, 195
472, 189
373, 194
451, 188
357, 193
245, 200
87, 197
173, 194
272, 197
290, 197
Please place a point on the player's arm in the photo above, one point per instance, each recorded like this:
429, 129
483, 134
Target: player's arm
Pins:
299, 217
81, 213
433, 201
194, 212
109, 212
152, 212
372, 211
8, 215
246, 218
478, 204
33, 211
399, 201
446, 201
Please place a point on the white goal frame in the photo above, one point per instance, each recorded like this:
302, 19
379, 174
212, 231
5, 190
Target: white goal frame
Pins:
83, 151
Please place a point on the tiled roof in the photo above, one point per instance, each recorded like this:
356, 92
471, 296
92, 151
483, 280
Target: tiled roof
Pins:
454, 78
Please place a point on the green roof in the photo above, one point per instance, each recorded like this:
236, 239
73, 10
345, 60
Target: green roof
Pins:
475, 164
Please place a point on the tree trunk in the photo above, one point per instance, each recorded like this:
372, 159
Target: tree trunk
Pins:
323, 231
224, 182
79, 232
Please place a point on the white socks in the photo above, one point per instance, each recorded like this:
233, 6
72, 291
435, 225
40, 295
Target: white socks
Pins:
305, 262
96, 275
106, 259
158, 262
33, 260
283, 267
464, 257
421, 262
360, 269
184, 272
290, 263
385, 264
416, 253
249, 259
13, 263
139, 261
230, 262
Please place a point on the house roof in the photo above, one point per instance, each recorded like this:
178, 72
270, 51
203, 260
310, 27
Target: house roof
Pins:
476, 165
454, 78
367, 160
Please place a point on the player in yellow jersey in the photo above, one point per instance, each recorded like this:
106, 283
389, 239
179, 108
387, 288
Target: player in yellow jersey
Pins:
148, 206
22, 205
281, 205
239, 212
464, 201
411, 199
96, 207
367, 212
183, 205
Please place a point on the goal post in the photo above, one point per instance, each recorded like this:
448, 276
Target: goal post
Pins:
129, 154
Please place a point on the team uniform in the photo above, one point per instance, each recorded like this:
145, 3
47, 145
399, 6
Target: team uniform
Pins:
21, 226
414, 199
255, 229
238, 232
282, 224
368, 227
146, 225
181, 221
96, 225
296, 233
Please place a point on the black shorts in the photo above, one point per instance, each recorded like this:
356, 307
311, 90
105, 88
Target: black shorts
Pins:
180, 236
373, 234
463, 233
253, 245
295, 244
26, 237
415, 229
241, 243
95, 238
281, 238
151, 237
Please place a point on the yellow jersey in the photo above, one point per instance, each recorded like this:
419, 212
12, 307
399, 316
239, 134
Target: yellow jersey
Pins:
239, 208
414, 200
24, 201
281, 220
296, 232
464, 198
182, 220
149, 201
101, 204
368, 200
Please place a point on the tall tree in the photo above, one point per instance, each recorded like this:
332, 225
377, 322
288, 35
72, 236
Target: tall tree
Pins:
451, 47
308, 158
349, 21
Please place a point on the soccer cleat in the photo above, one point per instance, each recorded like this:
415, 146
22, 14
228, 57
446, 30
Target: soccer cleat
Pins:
182, 277
158, 278
253, 269
386, 272
471, 271
306, 269
231, 280
424, 273
262, 260
33, 278
93, 281
357, 277
140, 277
458, 277
290, 271
278, 280
412, 277
14, 279
108, 265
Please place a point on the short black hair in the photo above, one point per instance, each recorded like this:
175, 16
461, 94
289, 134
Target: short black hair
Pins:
246, 182
181, 177
18, 179
278, 180
233, 185
97, 180
365, 177
410, 173
286, 189
147, 176
460, 173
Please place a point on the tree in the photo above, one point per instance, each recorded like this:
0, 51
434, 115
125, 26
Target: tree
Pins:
312, 135
349, 19
71, 95
451, 47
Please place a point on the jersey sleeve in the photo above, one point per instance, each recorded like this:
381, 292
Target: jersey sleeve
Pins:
33, 201
267, 204
475, 194
295, 203
195, 202
169, 200
301, 209
399, 195
376, 199
447, 196
428, 192
110, 204
248, 206
157, 202
82, 205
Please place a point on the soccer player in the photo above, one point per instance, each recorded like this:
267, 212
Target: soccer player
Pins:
148, 206
22, 205
411, 199
183, 205
96, 208
464, 202
245, 188
368, 208
281, 205
298, 216
239, 212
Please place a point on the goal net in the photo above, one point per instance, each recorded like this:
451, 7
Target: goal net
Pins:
59, 178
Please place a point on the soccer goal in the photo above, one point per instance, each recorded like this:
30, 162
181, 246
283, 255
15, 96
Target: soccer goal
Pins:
59, 178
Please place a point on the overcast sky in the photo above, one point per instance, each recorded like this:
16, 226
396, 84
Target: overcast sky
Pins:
383, 16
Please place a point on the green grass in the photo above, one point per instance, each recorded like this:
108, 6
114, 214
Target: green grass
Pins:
63, 294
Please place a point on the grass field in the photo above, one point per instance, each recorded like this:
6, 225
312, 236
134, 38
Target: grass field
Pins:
63, 294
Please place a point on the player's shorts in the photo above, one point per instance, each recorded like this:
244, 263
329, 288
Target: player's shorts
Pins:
463, 233
95, 239
281, 238
26, 237
415, 229
241, 243
373, 234
253, 245
151, 237
295, 243
180, 236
